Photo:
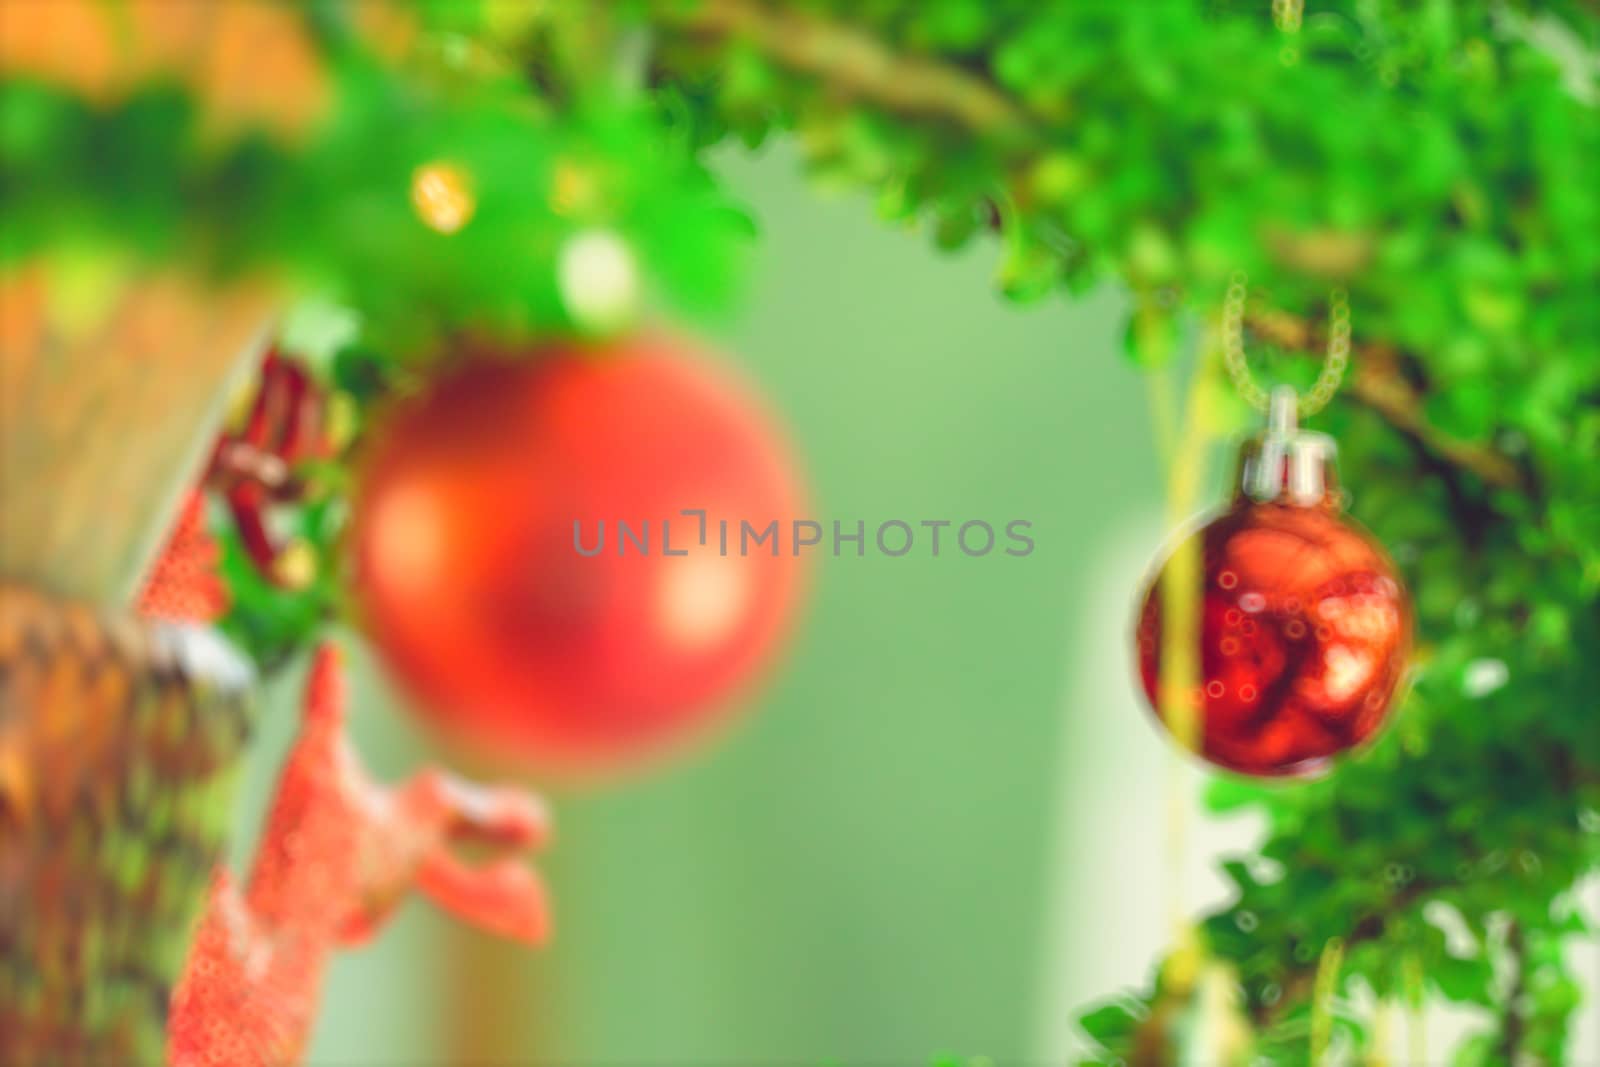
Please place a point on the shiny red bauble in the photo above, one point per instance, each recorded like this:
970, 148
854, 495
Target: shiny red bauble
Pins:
473, 501
1303, 629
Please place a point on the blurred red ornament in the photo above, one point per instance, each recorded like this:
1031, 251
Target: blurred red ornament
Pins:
1302, 622
469, 512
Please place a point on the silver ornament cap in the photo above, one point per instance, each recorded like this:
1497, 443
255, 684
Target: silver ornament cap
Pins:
1287, 465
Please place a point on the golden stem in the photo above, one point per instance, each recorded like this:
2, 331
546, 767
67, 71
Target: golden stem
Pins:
1327, 986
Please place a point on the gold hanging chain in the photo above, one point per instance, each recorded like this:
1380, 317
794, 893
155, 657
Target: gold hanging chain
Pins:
1333, 365
1286, 15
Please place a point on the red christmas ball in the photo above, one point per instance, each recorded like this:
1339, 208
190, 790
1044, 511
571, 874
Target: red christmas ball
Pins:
1303, 629
479, 506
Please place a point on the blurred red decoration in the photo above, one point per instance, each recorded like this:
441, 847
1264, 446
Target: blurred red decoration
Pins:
183, 585
337, 856
468, 514
254, 467
1303, 624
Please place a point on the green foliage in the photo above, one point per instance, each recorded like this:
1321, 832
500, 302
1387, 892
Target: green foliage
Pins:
1437, 161
337, 213
275, 623
334, 215
1434, 159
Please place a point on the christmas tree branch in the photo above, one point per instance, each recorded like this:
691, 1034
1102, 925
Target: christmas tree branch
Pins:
852, 62
1298, 983
1378, 383
856, 64
1170, 145
1512, 1023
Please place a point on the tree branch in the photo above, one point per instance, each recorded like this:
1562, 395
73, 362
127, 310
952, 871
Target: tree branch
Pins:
1297, 983
855, 63
1512, 1025
1378, 383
